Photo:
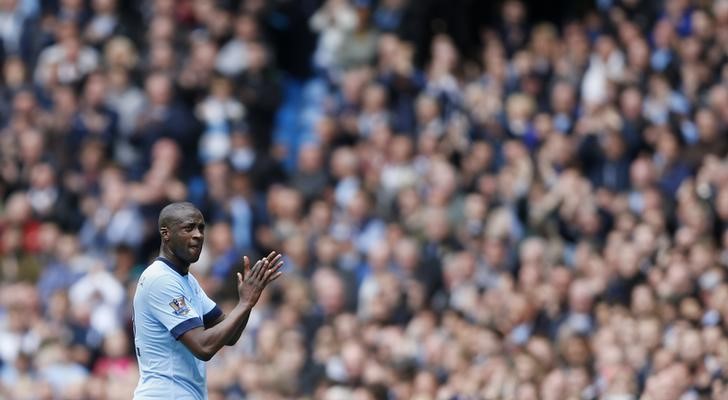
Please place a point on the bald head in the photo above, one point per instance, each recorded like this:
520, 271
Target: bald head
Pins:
182, 230
175, 212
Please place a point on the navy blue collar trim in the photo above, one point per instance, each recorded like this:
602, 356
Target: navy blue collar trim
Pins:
171, 265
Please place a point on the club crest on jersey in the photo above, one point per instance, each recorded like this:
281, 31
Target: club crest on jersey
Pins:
179, 306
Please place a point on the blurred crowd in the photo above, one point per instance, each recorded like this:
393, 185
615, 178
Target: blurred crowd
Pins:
473, 203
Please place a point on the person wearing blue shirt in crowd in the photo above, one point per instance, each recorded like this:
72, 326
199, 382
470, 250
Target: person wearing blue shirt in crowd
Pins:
176, 326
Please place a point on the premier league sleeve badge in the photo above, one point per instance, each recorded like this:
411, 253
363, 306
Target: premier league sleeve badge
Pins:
179, 306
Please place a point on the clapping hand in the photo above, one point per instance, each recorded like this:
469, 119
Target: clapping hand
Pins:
252, 281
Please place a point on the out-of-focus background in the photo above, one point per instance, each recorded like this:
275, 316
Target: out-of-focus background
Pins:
475, 199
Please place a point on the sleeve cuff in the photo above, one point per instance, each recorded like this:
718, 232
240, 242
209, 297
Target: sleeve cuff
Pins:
184, 326
211, 316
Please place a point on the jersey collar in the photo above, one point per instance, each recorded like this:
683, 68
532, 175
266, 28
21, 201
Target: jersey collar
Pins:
171, 265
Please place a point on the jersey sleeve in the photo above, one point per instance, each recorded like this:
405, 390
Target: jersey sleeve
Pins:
169, 304
212, 310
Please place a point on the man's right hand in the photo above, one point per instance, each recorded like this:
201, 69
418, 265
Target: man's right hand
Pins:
205, 343
253, 280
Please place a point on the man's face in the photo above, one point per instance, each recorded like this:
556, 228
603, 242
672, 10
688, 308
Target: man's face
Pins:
186, 236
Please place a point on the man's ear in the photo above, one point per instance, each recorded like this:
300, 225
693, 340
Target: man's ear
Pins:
164, 233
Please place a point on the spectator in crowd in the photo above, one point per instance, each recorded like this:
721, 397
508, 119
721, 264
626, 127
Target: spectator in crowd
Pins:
67, 61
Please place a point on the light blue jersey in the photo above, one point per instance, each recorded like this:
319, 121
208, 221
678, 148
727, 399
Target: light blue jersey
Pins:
166, 305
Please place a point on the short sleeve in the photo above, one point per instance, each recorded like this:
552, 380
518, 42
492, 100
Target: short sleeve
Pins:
169, 304
211, 310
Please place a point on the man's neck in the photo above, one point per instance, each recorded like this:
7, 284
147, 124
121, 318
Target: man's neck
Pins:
174, 262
